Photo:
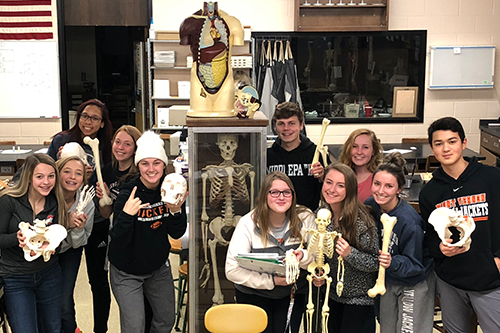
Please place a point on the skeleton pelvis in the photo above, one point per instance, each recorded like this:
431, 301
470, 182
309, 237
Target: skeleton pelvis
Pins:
221, 229
321, 272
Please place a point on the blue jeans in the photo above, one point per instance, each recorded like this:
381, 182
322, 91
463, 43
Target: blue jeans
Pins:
33, 301
70, 263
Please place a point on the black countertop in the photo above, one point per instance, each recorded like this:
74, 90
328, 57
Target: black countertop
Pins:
492, 130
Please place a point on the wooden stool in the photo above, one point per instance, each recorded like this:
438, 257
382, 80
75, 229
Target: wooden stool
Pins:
183, 280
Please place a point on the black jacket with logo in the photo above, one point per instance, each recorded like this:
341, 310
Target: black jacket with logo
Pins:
476, 193
296, 164
139, 244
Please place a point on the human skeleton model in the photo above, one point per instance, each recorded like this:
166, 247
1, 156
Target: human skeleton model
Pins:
388, 222
94, 144
228, 184
40, 239
322, 243
443, 218
211, 33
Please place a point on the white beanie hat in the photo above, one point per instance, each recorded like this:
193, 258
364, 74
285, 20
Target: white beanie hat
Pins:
150, 145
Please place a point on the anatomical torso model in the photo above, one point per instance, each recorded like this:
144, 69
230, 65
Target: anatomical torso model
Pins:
211, 33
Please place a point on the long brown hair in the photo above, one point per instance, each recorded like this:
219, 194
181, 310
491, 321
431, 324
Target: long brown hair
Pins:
352, 208
260, 215
25, 181
346, 154
103, 134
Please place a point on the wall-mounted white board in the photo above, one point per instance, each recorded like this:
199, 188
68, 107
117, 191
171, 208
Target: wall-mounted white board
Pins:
462, 67
29, 79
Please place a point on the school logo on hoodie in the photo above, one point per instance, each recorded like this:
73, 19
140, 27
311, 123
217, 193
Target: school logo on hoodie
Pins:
474, 206
291, 170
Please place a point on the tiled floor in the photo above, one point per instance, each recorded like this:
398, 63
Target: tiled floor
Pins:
83, 300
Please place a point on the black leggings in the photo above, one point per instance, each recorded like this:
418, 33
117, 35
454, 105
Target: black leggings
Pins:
95, 255
346, 318
276, 309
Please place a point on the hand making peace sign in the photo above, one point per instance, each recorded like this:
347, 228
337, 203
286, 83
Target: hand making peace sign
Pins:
133, 204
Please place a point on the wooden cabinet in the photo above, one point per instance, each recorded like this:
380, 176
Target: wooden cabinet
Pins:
356, 15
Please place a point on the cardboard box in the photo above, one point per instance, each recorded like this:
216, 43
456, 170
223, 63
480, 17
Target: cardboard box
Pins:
177, 115
167, 35
163, 117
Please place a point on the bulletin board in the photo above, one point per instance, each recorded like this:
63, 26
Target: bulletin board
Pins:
29, 79
462, 67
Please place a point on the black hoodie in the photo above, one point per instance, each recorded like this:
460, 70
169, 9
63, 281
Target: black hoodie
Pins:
476, 193
296, 164
139, 244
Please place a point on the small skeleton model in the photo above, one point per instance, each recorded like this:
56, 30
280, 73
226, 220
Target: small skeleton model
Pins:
388, 222
228, 184
173, 188
94, 144
86, 196
322, 243
74, 149
292, 267
40, 239
443, 218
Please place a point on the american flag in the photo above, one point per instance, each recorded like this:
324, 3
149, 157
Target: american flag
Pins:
26, 19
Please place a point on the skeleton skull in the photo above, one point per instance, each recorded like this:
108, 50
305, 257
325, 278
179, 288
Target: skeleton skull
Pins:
173, 189
228, 143
323, 219
443, 218
74, 149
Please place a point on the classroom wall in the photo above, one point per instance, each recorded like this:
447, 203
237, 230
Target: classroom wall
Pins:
448, 22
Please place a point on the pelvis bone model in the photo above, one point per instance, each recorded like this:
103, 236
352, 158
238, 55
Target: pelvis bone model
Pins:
40, 239
322, 243
228, 184
173, 188
74, 149
442, 218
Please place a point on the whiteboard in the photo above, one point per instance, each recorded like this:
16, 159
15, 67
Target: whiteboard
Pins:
29, 79
462, 67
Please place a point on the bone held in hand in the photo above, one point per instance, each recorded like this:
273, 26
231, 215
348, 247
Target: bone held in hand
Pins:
388, 222
94, 144
325, 124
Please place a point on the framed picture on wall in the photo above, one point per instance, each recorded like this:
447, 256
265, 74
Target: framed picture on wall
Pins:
405, 102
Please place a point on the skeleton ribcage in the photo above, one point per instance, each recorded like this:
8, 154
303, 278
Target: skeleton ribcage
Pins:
219, 186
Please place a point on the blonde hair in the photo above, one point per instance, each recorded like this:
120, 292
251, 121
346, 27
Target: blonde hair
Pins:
260, 215
352, 208
63, 161
346, 153
25, 181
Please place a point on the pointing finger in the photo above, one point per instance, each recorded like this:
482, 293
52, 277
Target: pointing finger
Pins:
132, 193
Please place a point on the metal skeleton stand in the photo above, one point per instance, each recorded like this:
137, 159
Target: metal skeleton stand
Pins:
228, 184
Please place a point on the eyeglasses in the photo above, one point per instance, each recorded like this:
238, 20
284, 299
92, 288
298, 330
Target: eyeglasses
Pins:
276, 193
94, 119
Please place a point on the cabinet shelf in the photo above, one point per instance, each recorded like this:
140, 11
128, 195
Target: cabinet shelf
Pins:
173, 98
170, 68
373, 16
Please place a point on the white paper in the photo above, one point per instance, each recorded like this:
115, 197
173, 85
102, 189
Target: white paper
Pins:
161, 88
